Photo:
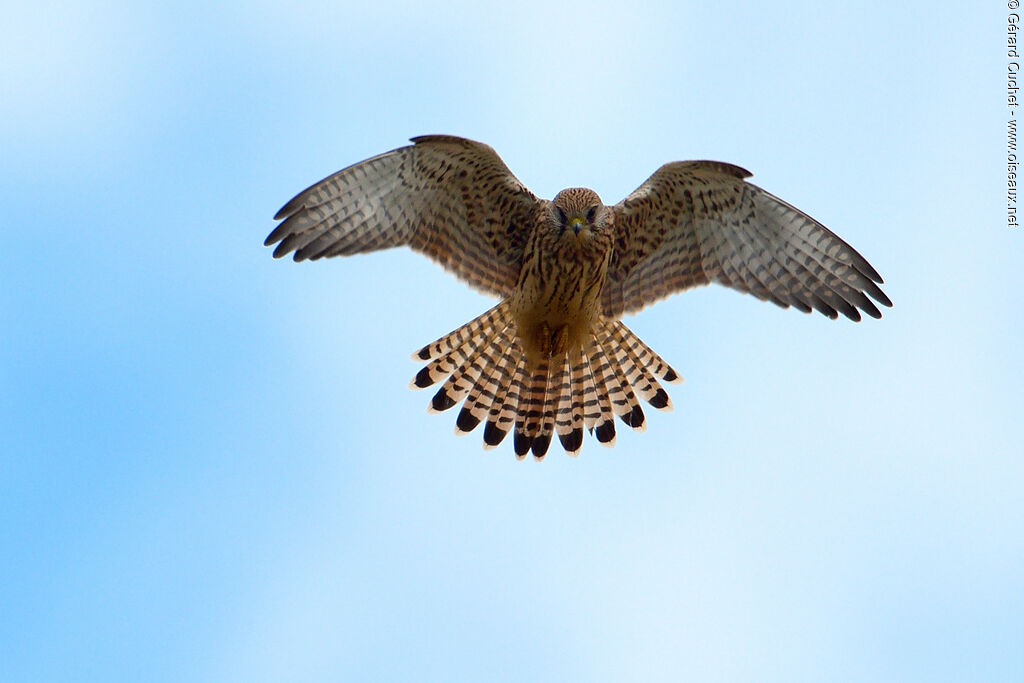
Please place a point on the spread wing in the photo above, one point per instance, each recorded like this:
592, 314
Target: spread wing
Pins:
450, 198
695, 222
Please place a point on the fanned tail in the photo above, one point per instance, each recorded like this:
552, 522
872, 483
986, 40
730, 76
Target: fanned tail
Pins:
483, 366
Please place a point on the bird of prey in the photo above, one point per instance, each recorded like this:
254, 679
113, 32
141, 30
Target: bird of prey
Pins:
553, 357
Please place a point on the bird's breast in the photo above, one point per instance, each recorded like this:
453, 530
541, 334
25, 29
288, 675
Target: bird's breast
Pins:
559, 287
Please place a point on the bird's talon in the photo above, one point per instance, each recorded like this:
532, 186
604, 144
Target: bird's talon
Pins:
544, 340
560, 341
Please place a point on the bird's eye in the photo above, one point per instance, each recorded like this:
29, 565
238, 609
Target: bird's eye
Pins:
591, 214
561, 215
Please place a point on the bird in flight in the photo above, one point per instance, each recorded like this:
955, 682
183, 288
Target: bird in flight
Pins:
553, 357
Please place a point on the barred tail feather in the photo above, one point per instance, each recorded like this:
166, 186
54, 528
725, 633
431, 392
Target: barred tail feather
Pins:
608, 393
569, 418
483, 366
647, 357
465, 335
607, 373
596, 406
501, 414
483, 394
638, 373
530, 414
555, 397
465, 377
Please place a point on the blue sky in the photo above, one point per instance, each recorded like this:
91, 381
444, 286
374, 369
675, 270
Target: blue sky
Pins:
212, 469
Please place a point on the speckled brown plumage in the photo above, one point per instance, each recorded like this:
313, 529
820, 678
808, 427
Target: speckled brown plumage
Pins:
552, 359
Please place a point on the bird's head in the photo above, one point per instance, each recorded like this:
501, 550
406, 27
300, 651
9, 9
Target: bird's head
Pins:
578, 213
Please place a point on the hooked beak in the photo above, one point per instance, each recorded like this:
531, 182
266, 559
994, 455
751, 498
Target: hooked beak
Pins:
576, 224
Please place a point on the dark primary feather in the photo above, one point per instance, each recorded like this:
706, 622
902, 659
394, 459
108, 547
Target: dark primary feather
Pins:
695, 222
450, 198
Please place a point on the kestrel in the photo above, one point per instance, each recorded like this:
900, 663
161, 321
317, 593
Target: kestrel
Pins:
553, 356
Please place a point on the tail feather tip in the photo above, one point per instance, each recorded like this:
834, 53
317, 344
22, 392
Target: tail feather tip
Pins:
521, 444
572, 441
440, 402
660, 400
422, 380
466, 422
672, 377
540, 446
605, 433
635, 418
493, 435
